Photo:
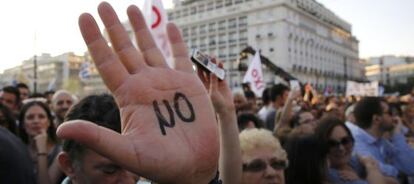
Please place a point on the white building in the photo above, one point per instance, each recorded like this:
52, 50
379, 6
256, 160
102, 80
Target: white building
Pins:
301, 36
389, 70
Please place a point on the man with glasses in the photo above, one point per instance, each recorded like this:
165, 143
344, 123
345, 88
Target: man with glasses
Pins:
393, 155
264, 159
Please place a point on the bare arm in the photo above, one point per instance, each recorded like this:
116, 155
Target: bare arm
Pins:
42, 168
230, 154
286, 112
374, 175
54, 171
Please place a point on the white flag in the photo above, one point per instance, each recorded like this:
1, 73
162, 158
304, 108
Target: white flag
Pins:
84, 71
157, 19
254, 76
52, 85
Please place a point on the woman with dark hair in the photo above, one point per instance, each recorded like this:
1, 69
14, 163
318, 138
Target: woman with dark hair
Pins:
37, 131
344, 168
6, 119
307, 164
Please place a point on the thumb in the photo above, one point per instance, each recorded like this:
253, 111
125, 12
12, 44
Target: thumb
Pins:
102, 140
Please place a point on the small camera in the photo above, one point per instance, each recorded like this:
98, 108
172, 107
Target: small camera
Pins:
203, 60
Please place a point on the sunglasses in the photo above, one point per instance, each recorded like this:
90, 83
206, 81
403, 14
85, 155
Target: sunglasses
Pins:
258, 165
346, 142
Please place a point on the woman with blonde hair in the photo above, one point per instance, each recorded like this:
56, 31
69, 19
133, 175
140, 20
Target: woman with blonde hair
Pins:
264, 159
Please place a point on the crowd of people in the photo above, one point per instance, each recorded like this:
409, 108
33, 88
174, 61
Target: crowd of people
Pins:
177, 125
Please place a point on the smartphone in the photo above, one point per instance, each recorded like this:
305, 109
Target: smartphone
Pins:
203, 60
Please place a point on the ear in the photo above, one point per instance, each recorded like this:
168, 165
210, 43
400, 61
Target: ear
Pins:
65, 164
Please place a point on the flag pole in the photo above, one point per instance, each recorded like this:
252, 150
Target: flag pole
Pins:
35, 66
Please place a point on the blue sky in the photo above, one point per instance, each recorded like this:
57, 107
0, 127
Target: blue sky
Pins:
383, 26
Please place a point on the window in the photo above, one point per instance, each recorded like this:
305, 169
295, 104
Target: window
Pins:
232, 23
212, 26
203, 29
229, 2
243, 19
222, 25
193, 10
219, 4
210, 6
194, 30
222, 38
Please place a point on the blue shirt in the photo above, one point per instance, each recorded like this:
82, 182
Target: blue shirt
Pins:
393, 155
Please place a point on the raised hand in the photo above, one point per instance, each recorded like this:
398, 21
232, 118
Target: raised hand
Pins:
230, 152
219, 91
169, 131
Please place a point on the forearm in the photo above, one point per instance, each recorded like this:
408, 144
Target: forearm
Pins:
230, 165
285, 116
42, 170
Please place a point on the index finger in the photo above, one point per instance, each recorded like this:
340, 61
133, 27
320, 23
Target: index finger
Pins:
110, 68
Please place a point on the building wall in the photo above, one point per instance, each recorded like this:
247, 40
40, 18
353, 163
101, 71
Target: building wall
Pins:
301, 36
60, 69
389, 70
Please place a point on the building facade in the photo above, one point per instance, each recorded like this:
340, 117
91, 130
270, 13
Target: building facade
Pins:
389, 70
53, 72
300, 36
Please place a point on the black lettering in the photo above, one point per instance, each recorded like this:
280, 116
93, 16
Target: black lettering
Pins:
177, 97
161, 119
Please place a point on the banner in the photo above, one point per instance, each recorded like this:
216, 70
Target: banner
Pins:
157, 19
84, 71
254, 76
362, 89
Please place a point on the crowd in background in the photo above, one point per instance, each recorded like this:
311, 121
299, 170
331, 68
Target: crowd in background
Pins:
286, 136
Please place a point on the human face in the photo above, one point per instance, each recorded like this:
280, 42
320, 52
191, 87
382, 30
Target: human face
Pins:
239, 101
24, 93
281, 100
307, 122
98, 169
62, 104
35, 121
9, 100
386, 123
340, 147
268, 175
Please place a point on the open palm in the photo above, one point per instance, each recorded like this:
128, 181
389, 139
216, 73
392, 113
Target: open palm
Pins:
169, 131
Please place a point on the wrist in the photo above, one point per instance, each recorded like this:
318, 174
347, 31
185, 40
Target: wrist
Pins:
226, 110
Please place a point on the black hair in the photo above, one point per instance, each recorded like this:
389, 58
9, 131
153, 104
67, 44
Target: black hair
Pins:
8, 119
249, 95
13, 90
366, 109
306, 163
51, 131
99, 109
244, 118
324, 130
22, 85
277, 90
37, 95
50, 92
266, 96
